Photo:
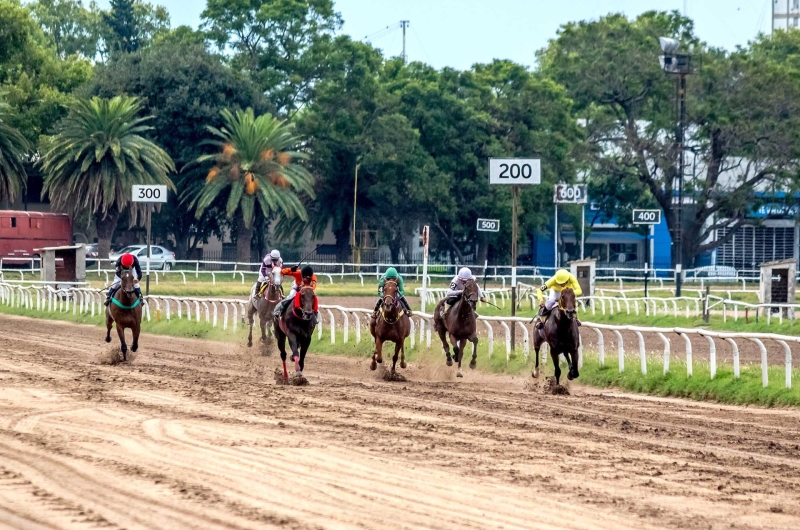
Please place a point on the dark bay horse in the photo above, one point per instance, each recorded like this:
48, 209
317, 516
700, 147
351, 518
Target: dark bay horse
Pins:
263, 305
297, 324
562, 335
391, 324
460, 324
125, 310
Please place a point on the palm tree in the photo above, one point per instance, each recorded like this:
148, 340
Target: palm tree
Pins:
13, 148
95, 158
255, 165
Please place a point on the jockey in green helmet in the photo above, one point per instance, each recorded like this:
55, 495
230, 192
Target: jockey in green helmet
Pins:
392, 274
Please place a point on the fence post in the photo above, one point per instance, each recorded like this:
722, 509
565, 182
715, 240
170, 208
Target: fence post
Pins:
764, 373
620, 350
688, 353
601, 347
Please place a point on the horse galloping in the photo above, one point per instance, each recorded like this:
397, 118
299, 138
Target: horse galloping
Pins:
297, 325
460, 325
125, 311
264, 305
562, 335
391, 324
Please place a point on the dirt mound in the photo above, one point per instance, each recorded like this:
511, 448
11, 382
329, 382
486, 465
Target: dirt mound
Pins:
389, 375
113, 356
294, 380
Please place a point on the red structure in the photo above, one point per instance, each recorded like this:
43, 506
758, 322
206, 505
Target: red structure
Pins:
23, 232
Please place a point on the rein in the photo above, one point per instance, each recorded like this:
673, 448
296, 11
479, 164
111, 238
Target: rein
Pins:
123, 306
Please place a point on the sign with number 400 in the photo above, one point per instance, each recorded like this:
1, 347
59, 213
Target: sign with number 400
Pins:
647, 217
149, 193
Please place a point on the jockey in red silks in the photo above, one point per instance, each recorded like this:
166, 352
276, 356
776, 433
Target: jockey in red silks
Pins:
125, 262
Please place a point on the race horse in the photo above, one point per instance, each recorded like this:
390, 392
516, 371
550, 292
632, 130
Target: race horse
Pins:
391, 324
125, 311
562, 335
297, 325
460, 325
263, 305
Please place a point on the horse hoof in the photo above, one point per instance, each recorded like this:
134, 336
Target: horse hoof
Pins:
535, 373
473, 363
374, 365
249, 343
459, 374
570, 377
403, 364
380, 361
449, 362
108, 339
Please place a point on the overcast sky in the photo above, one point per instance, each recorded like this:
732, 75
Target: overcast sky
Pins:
458, 33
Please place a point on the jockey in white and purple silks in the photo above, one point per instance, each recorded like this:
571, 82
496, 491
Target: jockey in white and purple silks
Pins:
270, 261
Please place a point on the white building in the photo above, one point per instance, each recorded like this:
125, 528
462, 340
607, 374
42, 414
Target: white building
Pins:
785, 14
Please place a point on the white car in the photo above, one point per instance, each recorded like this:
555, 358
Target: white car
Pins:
161, 258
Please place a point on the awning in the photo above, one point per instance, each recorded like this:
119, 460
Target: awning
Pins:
603, 238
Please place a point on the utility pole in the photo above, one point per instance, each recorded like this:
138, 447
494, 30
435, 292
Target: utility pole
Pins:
680, 136
404, 24
353, 241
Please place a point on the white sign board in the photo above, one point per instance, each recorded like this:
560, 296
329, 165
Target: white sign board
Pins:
149, 193
647, 217
571, 194
488, 225
515, 171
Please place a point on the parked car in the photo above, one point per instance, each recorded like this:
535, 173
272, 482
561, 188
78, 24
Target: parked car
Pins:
161, 258
91, 254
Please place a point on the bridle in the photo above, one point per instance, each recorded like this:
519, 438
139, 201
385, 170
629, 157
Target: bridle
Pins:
304, 314
570, 313
271, 284
389, 302
472, 298
132, 291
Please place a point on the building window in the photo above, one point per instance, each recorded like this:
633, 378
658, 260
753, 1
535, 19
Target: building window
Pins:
796, 5
754, 245
795, 21
623, 252
13, 222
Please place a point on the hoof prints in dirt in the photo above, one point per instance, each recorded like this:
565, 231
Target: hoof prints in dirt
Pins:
296, 380
548, 386
389, 375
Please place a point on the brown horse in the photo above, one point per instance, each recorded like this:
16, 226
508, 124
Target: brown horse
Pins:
297, 324
125, 310
263, 305
460, 324
562, 335
391, 324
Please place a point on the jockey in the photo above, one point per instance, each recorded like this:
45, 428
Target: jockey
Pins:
563, 279
457, 288
392, 274
129, 262
270, 261
301, 279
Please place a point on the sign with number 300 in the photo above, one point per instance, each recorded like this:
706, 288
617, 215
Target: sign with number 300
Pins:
149, 193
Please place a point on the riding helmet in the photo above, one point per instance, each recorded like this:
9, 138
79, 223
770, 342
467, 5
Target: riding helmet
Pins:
562, 276
465, 273
307, 272
126, 261
275, 254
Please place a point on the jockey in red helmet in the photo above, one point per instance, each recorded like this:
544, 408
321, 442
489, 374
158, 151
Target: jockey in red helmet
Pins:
131, 263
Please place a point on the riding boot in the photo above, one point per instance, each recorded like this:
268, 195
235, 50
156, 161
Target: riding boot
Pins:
405, 305
278, 311
315, 319
109, 295
258, 289
377, 307
138, 291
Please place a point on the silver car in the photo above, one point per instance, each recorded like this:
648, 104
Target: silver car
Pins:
161, 258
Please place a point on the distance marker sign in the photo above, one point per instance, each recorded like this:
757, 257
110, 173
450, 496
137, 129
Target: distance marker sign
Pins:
488, 225
647, 217
516, 171
149, 193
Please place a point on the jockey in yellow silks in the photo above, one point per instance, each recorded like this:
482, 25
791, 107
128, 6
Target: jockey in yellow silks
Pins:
563, 279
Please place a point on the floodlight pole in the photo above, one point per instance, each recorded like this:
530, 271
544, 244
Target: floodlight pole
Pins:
680, 137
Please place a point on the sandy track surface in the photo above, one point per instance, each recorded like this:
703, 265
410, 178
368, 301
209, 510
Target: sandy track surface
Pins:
195, 434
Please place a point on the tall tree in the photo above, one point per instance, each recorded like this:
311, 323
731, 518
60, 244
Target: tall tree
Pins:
123, 26
71, 28
742, 114
96, 156
255, 165
282, 44
184, 88
13, 149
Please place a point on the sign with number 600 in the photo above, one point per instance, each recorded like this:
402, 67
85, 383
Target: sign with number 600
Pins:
488, 225
647, 217
149, 193
571, 194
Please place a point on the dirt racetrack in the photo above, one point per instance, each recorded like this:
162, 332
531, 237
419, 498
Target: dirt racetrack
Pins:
195, 434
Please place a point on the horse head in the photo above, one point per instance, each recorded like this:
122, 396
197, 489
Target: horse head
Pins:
390, 290
471, 292
275, 277
568, 303
304, 308
127, 284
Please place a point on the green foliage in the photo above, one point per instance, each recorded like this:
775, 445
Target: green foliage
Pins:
184, 88
97, 154
14, 147
71, 28
283, 44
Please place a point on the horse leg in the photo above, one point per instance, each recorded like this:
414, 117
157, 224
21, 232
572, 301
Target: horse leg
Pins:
403, 354
262, 319
303, 350
122, 344
456, 357
474, 362
445, 346
537, 345
554, 356
460, 355
573, 367
137, 327
109, 323
397, 347
282, 348
377, 353
250, 312
295, 354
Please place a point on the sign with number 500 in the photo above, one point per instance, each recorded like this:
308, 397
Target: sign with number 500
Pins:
515, 171
149, 193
